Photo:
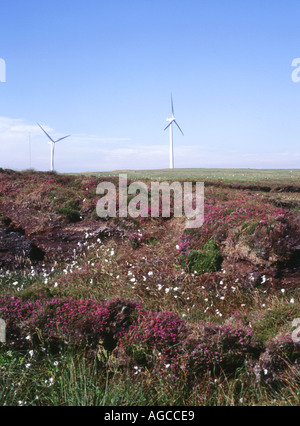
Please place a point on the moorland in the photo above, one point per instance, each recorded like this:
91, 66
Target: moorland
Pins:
141, 311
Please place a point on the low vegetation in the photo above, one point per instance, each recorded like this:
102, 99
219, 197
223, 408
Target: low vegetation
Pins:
141, 312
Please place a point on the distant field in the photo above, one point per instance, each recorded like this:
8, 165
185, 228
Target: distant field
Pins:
229, 175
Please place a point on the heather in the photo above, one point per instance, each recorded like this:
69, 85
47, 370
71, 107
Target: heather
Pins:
235, 221
133, 345
157, 341
143, 312
78, 322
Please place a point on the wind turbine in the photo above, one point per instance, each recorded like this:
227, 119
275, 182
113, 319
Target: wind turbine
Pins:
52, 143
172, 121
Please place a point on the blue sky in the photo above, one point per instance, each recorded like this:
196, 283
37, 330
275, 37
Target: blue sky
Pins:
103, 71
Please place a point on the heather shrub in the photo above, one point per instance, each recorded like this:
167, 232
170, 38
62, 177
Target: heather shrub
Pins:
14, 311
78, 322
236, 344
223, 348
284, 350
222, 218
136, 240
162, 342
201, 359
155, 340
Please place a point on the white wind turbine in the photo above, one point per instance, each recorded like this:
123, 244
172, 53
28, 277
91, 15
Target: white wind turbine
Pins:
172, 121
52, 143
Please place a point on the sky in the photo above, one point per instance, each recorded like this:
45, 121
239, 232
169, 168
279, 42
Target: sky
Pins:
103, 72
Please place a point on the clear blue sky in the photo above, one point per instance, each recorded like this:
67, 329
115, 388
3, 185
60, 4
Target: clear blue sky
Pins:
103, 71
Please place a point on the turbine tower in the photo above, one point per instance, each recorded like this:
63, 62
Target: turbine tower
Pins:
172, 121
52, 143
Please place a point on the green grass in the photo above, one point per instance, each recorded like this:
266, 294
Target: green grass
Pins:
69, 380
275, 319
251, 176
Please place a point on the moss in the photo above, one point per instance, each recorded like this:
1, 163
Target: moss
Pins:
207, 260
152, 241
70, 211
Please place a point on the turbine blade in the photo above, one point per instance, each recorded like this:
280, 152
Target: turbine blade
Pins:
172, 105
65, 137
178, 127
168, 125
45, 133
